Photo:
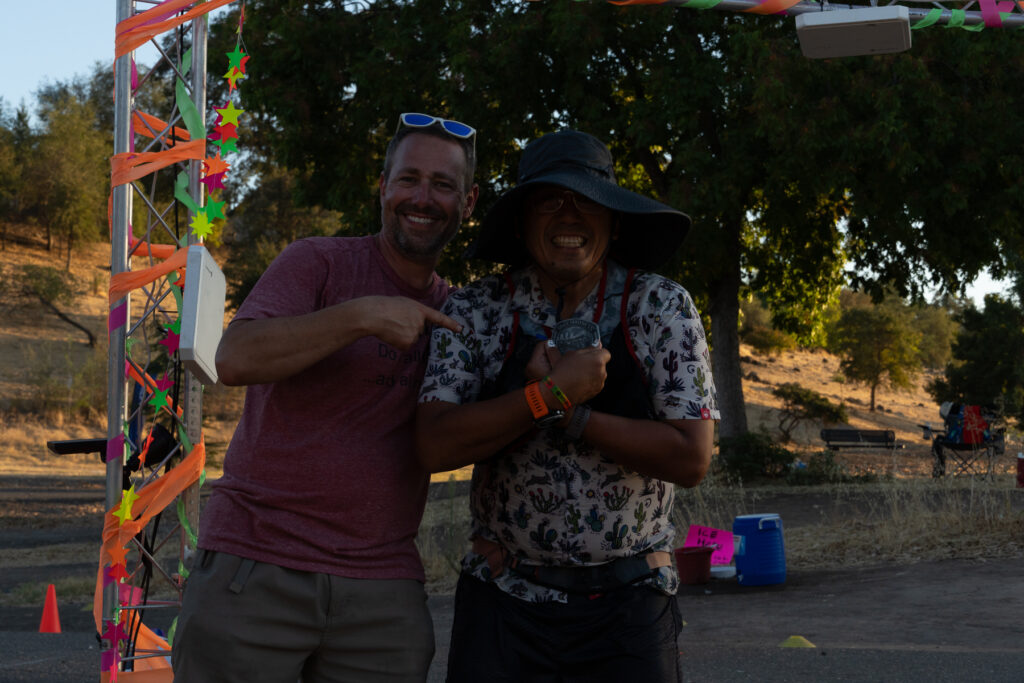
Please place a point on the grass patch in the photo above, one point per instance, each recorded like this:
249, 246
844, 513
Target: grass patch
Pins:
70, 589
917, 520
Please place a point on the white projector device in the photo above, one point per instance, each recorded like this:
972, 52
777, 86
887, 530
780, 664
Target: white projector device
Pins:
202, 314
854, 32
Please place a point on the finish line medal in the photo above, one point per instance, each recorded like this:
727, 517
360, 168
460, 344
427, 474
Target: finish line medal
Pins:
574, 334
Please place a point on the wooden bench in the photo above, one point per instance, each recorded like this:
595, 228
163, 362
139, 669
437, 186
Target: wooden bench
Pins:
859, 438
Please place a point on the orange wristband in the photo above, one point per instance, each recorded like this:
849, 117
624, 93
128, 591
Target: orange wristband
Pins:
538, 407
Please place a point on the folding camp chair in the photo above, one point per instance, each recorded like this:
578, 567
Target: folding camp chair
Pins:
968, 445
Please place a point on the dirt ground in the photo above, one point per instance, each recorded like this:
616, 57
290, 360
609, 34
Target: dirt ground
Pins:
51, 513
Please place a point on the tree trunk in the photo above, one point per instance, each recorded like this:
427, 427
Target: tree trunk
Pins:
725, 338
60, 314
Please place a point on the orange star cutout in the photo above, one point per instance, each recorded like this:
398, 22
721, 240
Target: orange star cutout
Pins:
118, 556
214, 165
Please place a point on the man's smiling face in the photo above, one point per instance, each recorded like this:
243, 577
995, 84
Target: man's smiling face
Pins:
423, 201
569, 244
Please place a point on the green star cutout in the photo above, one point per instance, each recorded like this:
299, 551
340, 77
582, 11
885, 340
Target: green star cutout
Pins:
229, 114
235, 58
159, 399
215, 210
226, 145
201, 225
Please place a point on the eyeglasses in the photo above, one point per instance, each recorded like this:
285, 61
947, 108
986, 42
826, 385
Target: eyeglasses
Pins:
454, 128
552, 202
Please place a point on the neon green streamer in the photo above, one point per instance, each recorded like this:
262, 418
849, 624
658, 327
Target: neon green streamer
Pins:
181, 192
956, 18
187, 108
183, 520
702, 4
177, 293
183, 438
930, 19
170, 632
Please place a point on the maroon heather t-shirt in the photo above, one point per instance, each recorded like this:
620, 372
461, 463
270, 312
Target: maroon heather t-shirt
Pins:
321, 474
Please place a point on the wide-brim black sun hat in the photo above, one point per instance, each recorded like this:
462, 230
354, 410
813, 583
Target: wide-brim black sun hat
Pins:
649, 232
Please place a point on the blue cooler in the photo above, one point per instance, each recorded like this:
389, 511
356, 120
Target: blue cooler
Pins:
760, 554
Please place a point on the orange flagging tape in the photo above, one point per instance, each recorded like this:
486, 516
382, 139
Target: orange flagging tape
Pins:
772, 6
122, 283
135, 31
153, 498
128, 166
146, 124
142, 248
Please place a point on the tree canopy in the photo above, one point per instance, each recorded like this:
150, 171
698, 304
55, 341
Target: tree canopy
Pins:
790, 167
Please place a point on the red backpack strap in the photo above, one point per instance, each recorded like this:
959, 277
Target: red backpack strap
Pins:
626, 336
515, 318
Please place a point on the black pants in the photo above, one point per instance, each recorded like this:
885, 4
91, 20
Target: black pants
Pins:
626, 635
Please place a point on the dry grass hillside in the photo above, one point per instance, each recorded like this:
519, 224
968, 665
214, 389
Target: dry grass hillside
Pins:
31, 339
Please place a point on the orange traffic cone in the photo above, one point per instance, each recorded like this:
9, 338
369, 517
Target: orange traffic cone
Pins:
50, 623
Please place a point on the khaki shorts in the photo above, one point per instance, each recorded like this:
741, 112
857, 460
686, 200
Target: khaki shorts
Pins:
251, 621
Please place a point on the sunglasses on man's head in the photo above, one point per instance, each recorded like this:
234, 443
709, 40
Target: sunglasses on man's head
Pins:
454, 128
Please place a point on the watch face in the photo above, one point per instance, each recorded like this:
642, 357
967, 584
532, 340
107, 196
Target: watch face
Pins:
575, 333
549, 420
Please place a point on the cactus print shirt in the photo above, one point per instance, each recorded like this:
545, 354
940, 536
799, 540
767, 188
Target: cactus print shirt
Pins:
545, 498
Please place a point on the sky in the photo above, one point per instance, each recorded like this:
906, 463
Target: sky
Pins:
55, 40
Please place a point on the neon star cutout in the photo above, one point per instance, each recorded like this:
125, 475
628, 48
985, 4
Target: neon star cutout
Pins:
226, 145
114, 632
229, 114
118, 556
232, 77
124, 511
165, 382
226, 131
159, 399
213, 182
237, 58
214, 165
118, 573
215, 210
171, 341
201, 226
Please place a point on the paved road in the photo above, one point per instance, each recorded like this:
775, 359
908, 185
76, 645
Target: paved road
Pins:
936, 622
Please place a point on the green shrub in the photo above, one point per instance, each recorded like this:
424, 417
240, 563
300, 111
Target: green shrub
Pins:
801, 404
766, 340
752, 455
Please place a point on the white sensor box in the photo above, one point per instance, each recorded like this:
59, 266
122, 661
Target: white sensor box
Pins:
202, 314
854, 32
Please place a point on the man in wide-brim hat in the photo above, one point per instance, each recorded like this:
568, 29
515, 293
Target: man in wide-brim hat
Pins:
580, 388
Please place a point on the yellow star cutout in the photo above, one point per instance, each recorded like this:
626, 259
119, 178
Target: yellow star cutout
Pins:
200, 224
124, 511
229, 114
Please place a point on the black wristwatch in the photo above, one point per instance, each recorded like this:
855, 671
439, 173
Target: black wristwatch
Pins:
543, 416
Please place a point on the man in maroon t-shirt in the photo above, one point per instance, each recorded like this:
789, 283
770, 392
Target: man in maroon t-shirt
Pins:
307, 564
